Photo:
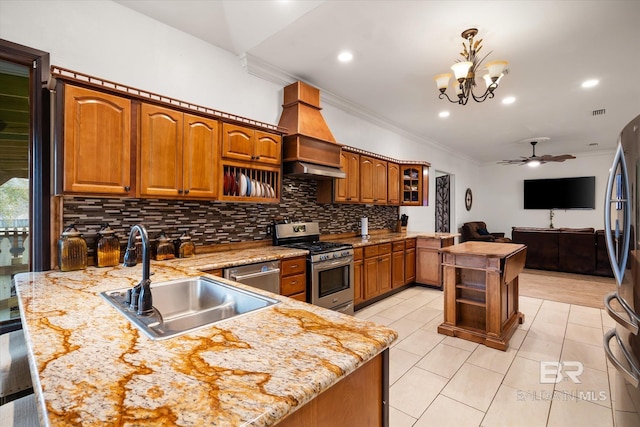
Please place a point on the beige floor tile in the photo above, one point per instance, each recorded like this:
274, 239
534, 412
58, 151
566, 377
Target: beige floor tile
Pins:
474, 386
492, 359
538, 349
517, 338
444, 360
405, 327
547, 331
524, 375
432, 326
425, 314
593, 386
400, 419
584, 334
590, 355
512, 407
448, 412
460, 343
437, 302
396, 311
586, 316
530, 300
400, 361
554, 305
415, 391
576, 412
420, 342
626, 419
556, 317
376, 318
607, 321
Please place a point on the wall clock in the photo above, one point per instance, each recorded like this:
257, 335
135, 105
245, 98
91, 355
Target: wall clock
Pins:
468, 199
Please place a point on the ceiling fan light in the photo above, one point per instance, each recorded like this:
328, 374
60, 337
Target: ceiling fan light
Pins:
461, 69
496, 68
442, 81
533, 163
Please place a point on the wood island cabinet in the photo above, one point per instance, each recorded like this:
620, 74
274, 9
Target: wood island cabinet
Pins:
410, 261
97, 143
376, 270
428, 260
177, 154
397, 264
249, 145
393, 184
293, 278
481, 291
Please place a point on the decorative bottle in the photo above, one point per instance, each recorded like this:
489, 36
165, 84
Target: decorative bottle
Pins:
185, 248
107, 251
72, 250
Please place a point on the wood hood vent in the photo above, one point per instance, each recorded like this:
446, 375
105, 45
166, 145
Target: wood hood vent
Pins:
309, 148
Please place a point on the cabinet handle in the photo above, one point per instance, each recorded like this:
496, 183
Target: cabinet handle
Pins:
294, 266
186, 191
257, 157
180, 191
295, 282
127, 188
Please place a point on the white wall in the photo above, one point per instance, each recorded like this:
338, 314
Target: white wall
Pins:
110, 41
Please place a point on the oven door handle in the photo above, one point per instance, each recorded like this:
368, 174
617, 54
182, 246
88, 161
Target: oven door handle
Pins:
335, 263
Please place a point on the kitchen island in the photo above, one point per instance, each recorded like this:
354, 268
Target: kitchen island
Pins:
90, 366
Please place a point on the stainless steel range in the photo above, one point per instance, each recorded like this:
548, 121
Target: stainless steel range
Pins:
329, 265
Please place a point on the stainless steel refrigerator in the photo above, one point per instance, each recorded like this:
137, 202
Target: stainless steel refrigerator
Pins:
622, 218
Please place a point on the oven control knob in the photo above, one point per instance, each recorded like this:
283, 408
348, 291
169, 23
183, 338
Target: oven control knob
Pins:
324, 257
345, 253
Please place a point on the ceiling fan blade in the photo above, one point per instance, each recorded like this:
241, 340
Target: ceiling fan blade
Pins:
512, 162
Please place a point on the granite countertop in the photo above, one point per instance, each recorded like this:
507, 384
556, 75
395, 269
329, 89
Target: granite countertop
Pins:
394, 237
91, 367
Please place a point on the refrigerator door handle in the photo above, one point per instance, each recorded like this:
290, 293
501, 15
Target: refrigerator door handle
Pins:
618, 253
630, 375
632, 323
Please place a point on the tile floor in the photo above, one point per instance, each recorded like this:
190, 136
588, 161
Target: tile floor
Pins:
436, 380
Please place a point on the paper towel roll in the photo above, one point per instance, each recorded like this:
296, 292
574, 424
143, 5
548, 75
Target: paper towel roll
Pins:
364, 227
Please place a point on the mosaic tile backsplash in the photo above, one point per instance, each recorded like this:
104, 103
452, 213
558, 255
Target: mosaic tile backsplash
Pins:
211, 222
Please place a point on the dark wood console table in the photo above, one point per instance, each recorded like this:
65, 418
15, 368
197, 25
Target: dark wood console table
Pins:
481, 291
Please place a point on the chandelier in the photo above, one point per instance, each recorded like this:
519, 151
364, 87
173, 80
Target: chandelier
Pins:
465, 72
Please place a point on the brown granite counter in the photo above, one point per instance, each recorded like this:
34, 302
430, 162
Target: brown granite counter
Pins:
91, 367
375, 239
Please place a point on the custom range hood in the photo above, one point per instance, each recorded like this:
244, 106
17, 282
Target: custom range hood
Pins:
309, 148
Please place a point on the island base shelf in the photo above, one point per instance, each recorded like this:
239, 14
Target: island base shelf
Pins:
480, 336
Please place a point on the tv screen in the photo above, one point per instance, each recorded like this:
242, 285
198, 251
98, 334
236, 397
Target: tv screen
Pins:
560, 193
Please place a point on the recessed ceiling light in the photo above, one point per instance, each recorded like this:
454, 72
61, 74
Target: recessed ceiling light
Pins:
443, 114
509, 100
590, 83
345, 56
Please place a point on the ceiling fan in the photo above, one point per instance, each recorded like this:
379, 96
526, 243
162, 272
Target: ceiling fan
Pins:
534, 160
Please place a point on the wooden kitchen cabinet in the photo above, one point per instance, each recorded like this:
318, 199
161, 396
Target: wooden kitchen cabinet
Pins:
250, 145
393, 183
293, 278
373, 180
397, 264
410, 261
97, 143
411, 183
177, 154
429, 259
376, 270
481, 292
358, 289
342, 190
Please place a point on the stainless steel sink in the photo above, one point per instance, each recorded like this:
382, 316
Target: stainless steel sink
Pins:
184, 305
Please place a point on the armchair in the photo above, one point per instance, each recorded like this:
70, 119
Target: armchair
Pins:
477, 231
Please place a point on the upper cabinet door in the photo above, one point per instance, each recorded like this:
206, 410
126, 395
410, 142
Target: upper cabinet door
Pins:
97, 142
268, 148
160, 152
237, 142
393, 191
200, 145
380, 182
367, 170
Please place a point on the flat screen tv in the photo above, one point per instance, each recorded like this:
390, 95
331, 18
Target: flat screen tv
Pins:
560, 193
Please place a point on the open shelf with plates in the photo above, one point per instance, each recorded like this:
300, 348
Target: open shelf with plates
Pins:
240, 183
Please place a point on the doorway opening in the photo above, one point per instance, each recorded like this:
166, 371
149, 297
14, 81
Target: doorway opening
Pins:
444, 184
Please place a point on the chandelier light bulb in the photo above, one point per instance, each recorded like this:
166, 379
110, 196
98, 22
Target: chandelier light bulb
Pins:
461, 69
496, 68
442, 81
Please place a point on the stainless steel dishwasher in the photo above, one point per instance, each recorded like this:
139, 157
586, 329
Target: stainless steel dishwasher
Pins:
264, 275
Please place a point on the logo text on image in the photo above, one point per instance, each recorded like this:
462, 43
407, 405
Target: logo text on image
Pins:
554, 372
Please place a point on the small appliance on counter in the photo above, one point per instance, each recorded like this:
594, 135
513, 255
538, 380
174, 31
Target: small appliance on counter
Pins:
330, 275
364, 228
107, 250
163, 248
184, 247
72, 250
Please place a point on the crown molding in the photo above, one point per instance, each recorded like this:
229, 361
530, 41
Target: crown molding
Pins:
266, 71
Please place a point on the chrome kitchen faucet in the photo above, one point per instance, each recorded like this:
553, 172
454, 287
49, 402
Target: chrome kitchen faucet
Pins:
139, 297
